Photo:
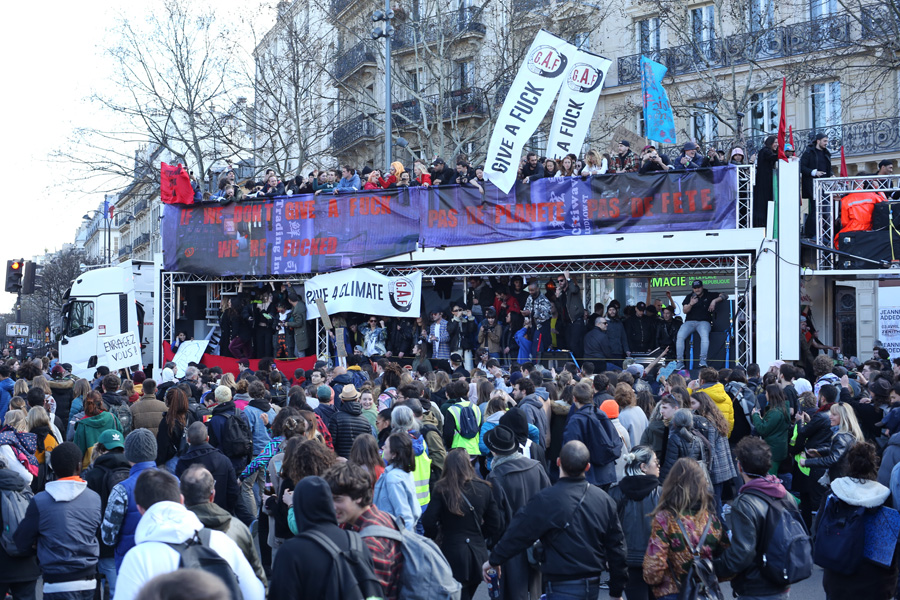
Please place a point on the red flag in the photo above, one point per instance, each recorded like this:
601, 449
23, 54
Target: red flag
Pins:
843, 164
782, 122
791, 131
175, 185
112, 209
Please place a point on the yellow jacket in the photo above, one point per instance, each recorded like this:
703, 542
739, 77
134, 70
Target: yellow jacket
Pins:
723, 402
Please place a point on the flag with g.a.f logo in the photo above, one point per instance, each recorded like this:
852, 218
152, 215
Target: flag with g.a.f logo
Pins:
576, 103
527, 102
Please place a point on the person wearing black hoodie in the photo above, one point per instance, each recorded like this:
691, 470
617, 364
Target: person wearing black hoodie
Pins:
303, 569
815, 162
636, 495
348, 423
202, 453
18, 575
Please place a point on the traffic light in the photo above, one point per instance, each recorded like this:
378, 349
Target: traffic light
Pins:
28, 277
14, 270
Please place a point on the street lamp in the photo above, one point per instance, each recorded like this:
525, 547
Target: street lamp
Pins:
385, 32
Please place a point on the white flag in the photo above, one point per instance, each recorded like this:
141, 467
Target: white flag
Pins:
529, 98
576, 103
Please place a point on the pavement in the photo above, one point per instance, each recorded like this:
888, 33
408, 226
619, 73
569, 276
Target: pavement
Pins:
810, 589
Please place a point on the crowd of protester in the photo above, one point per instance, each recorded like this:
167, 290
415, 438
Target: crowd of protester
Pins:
301, 484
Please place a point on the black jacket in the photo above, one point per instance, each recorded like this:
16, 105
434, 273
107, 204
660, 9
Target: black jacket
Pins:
816, 434
694, 163
592, 542
598, 345
463, 542
227, 490
813, 160
446, 175
618, 339
682, 444
401, 334
834, 458
742, 559
641, 332
345, 425
636, 496
302, 568
667, 334
536, 172
16, 569
461, 333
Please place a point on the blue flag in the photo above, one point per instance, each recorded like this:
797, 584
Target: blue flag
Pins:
657, 111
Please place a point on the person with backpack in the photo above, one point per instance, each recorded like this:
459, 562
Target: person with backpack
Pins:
121, 517
96, 420
61, 523
230, 433
200, 452
686, 534
710, 423
683, 442
775, 428
170, 435
636, 495
19, 571
464, 511
579, 531
462, 420
743, 402
324, 562
395, 491
590, 426
765, 524
108, 469
116, 402
351, 489
18, 446
172, 537
855, 545
259, 415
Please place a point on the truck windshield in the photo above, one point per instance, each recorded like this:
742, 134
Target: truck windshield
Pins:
80, 318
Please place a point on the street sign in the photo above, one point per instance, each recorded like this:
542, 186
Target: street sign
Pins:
16, 330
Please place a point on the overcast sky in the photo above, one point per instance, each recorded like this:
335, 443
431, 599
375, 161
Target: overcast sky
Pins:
53, 60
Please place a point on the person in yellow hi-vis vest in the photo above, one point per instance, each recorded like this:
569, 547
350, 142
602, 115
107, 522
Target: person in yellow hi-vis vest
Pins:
403, 420
462, 421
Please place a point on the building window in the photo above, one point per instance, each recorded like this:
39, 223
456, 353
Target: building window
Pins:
641, 124
825, 104
704, 123
822, 8
465, 75
764, 113
648, 35
703, 23
762, 15
582, 40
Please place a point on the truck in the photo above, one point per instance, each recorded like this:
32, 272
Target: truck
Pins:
107, 319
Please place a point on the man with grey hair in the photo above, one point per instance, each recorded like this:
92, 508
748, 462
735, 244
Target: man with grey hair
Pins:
192, 378
203, 454
198, 486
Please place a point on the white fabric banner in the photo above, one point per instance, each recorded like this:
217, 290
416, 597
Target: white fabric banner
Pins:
889, 319
528, 100
364, 291
576, 103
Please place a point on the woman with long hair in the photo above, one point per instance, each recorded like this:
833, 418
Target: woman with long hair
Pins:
170, 439
684, 519
594, 164
485, 389
631, 416
711, 423
776, 427
395, 491
364, 453
550, 169
463, 509
76, 410
228, 381
39, 424
96, 420
636, 496
20, 389
834, 458
566, 166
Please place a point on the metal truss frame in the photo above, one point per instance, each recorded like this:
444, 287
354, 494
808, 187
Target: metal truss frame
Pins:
828, 193
740, 266
746, 179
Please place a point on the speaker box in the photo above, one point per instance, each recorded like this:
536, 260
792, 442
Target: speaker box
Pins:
874, 245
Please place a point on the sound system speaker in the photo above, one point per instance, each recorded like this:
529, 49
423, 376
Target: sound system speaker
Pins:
874, 245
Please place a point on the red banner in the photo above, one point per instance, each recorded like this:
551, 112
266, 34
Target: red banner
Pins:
175, 185
287, 366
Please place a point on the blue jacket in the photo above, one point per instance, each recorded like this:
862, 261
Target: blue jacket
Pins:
6, 392
396, 494
132, 515
63, 522
524, 346
348, 185
258, 429
593, 428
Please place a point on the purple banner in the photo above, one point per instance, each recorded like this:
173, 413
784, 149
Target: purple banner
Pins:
316, 234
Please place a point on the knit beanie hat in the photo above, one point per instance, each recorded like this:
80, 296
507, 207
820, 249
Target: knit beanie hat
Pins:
140, 446
324, 394
611, 408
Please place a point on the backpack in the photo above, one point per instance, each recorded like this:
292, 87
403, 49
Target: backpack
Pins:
123, 413
701, 582
196, 553
786, 546
237, 440
468, 422
426, 573
745, 396
13, 505
112, 478
840, 536
356, 578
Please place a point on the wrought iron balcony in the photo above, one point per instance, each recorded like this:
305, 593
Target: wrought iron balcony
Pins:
449, 26
461, 103
338, 6
351, 60
862, 138
141, 240
124, 251
529, 5
828, 33
140, 206
352, 131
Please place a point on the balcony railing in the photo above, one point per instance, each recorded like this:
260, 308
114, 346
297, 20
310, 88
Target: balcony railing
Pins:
449, 26
352, 131
828, 33
470, 101
141, 240
348, 62
529, 5
876, 136
140, 206
124, 250
338, 6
